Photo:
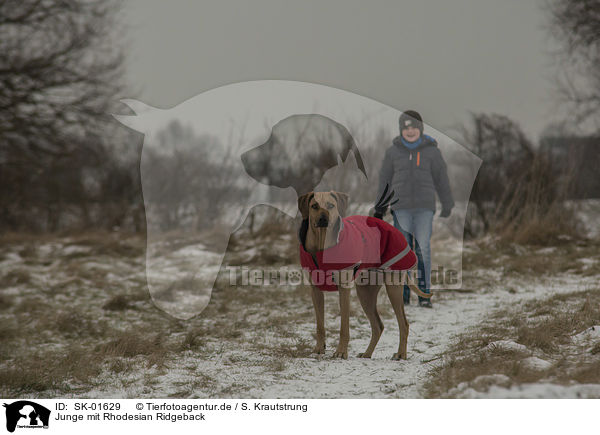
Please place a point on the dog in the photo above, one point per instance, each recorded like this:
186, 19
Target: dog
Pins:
299, 151
341, 248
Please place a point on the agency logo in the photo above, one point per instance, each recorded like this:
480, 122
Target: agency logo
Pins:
26, 414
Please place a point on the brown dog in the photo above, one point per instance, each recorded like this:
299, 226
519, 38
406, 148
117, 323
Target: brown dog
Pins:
322, 214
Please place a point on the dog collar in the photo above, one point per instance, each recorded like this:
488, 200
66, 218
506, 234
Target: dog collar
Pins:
304, 229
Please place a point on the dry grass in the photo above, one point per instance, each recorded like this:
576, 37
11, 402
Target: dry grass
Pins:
5, 302
131, 343
201, 382
300, 348
71, 324
513, 259
83, 317
55, 370
545, 327
20, 238
83, 348
270, 248
193, 339
273, 241
97, 324
117, 303
557, 326
58, 332
533, 210
16, 277
548, 228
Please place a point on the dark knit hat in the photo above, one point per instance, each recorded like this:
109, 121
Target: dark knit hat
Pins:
410, 118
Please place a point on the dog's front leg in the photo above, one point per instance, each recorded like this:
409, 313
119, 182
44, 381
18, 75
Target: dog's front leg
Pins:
319, 304
342, 349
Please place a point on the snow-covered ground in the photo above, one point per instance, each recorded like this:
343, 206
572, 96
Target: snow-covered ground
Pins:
265, 350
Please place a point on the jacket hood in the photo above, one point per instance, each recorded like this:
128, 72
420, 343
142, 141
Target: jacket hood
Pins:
427, 141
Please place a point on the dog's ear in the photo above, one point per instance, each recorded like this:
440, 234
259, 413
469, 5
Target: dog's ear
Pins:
303, 202
342, 202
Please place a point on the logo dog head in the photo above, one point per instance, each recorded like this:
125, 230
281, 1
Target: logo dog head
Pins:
27, 413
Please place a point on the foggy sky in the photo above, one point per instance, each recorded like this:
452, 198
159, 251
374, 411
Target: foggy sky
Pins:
442, 58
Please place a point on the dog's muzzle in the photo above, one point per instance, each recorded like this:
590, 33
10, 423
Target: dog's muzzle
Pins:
323, 222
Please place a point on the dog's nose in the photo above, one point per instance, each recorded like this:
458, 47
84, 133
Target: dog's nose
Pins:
323, 221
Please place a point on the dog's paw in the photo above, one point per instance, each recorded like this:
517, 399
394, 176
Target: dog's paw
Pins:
319, 349
398, 356
364, 355
343, 354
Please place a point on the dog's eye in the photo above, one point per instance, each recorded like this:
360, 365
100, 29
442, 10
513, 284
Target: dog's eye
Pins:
315, 206
330, 205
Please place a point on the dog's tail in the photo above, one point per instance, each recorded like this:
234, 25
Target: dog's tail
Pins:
418, 291
416, 288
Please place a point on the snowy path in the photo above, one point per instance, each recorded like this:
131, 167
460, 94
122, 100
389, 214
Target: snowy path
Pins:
431, 331
227, 369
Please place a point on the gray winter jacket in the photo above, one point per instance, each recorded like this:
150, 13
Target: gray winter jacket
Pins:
415, 175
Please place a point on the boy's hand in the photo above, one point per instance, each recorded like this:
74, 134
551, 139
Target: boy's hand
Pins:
378, 213
384, 202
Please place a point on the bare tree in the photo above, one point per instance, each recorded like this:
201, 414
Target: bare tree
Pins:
517, 194
576, 23
59, 71
189, 179
507, 154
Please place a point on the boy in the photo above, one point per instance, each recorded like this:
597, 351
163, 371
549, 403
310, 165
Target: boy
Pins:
413, 167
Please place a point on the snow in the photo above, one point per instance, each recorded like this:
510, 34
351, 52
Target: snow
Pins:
589, 337
507, 345
230, 369
11, 258
75, 249
536, 363
180, 280
532, 391
431, 332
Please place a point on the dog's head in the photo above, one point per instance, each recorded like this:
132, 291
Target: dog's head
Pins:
323, 209
299, 151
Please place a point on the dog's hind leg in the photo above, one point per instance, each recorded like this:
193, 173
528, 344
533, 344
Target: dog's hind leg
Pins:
367, 295
395, 294
319, 304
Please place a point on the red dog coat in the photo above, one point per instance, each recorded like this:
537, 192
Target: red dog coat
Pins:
363, 243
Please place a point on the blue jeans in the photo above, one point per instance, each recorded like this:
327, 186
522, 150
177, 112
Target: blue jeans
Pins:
416, 225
